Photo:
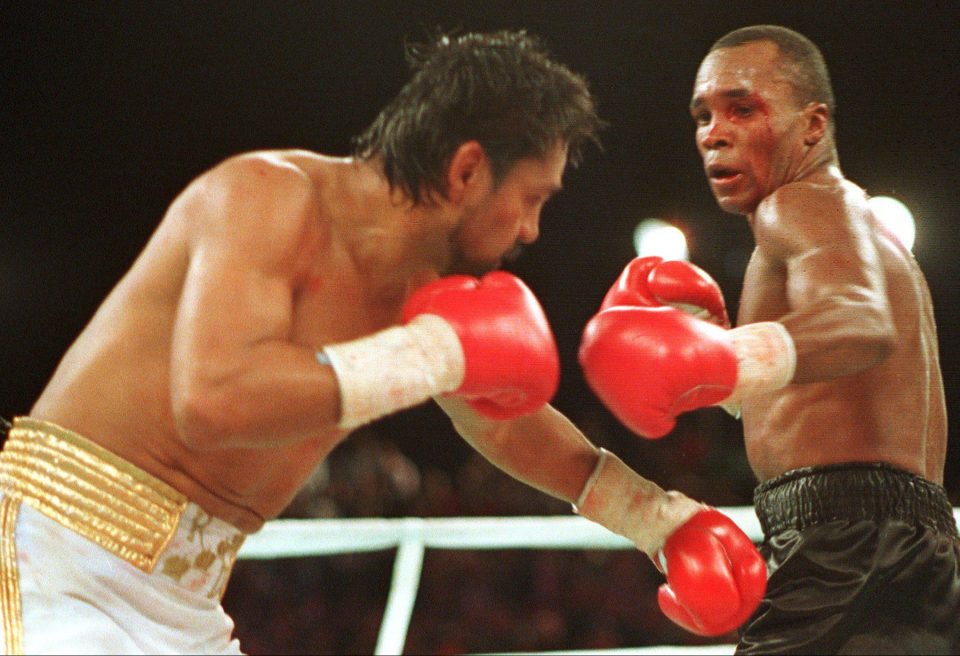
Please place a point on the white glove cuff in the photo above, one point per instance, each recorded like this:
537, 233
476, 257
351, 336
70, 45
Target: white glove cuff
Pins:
395, 368
698, 312
624, 502
766, 356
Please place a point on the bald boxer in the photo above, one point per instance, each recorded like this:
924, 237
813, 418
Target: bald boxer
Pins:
834, 365
286, 298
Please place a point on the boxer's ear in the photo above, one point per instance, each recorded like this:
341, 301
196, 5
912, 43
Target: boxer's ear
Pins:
468, 172
817, 117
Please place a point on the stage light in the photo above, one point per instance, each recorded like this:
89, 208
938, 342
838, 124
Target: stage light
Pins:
896, 217
656, 237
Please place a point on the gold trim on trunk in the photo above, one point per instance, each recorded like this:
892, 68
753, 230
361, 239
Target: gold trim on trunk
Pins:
10, 577
91, 491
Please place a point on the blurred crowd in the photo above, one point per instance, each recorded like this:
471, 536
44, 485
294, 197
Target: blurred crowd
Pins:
473, 601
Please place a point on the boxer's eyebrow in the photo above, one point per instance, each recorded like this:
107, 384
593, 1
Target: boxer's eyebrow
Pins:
735, 93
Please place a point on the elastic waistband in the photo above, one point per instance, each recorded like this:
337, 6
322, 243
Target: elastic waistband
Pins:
875, 491
123, 509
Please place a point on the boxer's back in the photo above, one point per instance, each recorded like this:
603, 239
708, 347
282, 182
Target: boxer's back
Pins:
893, 411
113, 385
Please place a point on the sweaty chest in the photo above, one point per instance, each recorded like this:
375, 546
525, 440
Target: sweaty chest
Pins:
332, 308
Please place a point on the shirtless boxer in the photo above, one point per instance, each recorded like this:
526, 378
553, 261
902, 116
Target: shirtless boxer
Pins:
834, 362
287, 298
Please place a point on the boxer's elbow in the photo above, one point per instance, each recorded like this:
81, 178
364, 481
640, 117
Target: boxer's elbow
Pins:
884, 345
867, 351
870, 342
206, 418
842, 345
879, 336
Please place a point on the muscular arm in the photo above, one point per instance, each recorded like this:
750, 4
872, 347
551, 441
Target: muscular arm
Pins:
839, 314
236, 380
715, 576
544, 450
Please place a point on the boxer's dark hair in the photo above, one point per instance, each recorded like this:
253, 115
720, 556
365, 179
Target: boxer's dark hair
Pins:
501, 89
804, 63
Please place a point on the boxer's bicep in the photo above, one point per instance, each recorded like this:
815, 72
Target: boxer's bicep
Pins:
839, 315
249, 244
836, 274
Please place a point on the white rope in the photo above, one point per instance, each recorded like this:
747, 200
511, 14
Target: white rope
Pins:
659, 650
289, 538
292, 538
407, 567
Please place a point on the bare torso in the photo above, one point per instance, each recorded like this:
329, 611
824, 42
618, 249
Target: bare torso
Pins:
113, 385
892, 411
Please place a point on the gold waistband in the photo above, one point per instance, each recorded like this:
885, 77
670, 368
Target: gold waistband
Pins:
91, 491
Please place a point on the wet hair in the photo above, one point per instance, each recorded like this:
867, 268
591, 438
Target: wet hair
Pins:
805, 64
501, 89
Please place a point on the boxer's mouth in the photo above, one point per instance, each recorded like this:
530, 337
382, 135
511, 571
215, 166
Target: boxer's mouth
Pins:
722, 173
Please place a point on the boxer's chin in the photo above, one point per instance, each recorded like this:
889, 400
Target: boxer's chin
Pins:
474, 268
512, 254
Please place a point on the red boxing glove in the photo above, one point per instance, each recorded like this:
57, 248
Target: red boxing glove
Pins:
511, 363
715, 576
653, 282
648, 365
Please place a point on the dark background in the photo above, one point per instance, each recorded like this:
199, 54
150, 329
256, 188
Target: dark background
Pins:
110, 109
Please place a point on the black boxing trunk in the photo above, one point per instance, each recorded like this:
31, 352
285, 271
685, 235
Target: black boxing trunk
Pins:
863, 558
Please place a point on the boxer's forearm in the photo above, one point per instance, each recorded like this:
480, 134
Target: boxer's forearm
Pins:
544, 449
275, 394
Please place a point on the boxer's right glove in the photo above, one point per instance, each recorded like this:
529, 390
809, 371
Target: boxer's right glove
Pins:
715, 575
486, 340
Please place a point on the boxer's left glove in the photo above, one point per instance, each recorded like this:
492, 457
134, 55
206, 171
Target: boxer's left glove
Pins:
487, 340
654, 282
715, 575
650, 364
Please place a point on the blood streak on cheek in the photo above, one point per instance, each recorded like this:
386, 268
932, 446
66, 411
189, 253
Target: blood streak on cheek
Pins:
314, 284
764, 109
765, 145
764, 126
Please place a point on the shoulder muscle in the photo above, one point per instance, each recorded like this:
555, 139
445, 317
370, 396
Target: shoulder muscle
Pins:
801, 217
258, 206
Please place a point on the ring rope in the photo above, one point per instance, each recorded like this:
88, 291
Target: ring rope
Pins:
411, 536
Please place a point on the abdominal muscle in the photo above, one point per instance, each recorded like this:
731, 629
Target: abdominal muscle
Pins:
112, 387
888, 413
115, 400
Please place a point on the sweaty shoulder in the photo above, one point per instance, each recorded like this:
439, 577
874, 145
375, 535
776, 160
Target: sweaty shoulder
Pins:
803, 215
264, 180
264, 200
